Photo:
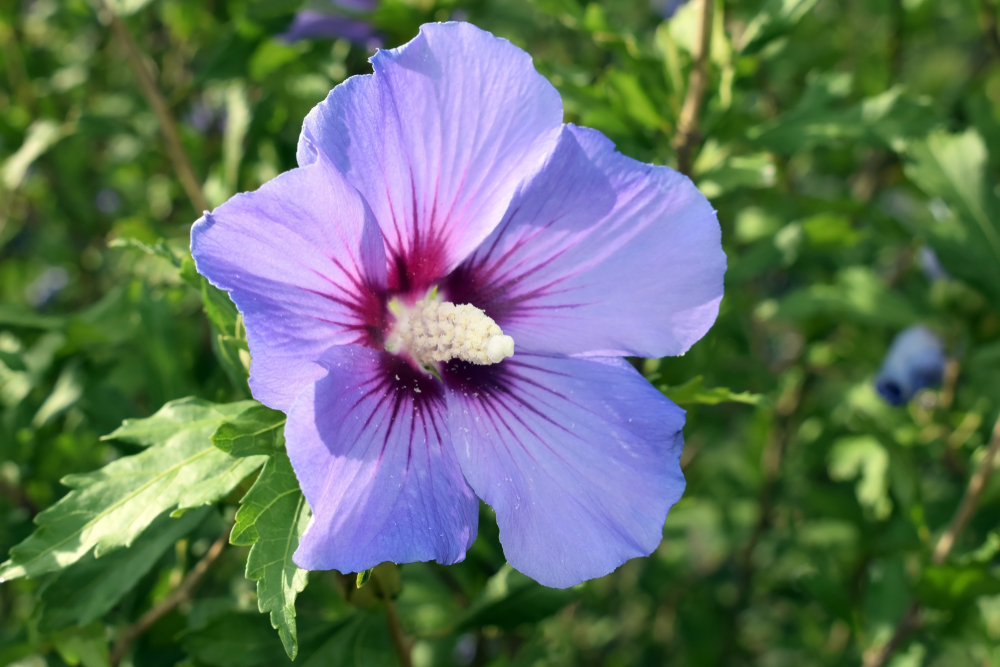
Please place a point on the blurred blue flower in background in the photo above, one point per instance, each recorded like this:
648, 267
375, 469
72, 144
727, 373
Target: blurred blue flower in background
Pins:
930, 265
666, 8
334, 19
915, 361
49, 283
202, 116
107, 201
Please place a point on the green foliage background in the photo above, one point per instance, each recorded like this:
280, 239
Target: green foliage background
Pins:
839, 137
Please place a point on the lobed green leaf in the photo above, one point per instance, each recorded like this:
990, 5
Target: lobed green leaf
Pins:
272, 517
257, 430
111, 507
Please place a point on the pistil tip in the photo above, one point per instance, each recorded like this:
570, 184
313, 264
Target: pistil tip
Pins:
499, 348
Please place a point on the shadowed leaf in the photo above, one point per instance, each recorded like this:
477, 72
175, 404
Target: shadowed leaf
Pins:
272, 516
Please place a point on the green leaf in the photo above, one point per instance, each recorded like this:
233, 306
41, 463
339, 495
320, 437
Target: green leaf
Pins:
219, 308
865, 458
272, 516
111, 507
12, 361
229, 341
82, 646
694, 392
945, 586
235, 640
175, 417
89, 589
228, 337
776, 18
271, 56
828, 592
66, 392
257, 430
234, 357
829, 230
361, 642
16, 316
363, 577
511, 599
725, 173
266, 9
857, 295
241, 640
634, 100
127, 7
159, 249
189, 274
883, 120
42, 135
953, 167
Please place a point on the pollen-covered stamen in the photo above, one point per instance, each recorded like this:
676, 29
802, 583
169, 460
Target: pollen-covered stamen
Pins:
434, 331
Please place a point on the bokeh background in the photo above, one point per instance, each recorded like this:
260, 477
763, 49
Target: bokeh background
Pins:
852, 150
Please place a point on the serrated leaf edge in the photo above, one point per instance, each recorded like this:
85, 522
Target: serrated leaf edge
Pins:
8, 567
288, 639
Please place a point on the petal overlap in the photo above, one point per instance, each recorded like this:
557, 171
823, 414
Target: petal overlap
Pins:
437, 141
372, 451
580, 459
304, 262
599, 254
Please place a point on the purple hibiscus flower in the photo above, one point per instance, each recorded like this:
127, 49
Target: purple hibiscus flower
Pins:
440, 298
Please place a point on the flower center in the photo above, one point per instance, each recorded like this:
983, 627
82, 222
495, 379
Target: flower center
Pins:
433, 331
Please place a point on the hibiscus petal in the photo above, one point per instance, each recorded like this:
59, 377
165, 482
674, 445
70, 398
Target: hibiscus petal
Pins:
599, 254
372, 451
437, 140
580, 459
304, 262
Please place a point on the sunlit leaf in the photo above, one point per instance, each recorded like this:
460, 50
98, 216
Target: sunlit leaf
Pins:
257, 430
89, 589
42, 135
953, 168
694, 392
111, 507
866, 459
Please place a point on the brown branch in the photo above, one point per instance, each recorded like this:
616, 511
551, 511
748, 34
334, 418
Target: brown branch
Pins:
771, 459
878, 656
400, 642
175, 150
972, 493
688, 132
180, 594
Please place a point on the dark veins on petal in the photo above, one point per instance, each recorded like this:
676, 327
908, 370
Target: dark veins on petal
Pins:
399, 386
417, 258
504, 393
485, 283
367, 303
